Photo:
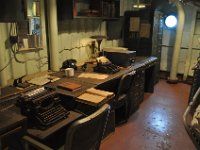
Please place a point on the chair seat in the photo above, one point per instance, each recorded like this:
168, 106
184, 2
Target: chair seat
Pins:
61, 148
121, 101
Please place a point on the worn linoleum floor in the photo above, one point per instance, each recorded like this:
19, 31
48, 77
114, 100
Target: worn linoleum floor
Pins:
157, 124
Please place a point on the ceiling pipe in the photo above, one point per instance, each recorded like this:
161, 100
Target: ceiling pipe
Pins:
53, 35
179, 32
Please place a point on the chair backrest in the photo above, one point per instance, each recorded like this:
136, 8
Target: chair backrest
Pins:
188, 117
87, 133
124, 84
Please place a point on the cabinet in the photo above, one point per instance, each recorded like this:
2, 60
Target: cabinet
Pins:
137, 90
157, 41
138, 31
104, 9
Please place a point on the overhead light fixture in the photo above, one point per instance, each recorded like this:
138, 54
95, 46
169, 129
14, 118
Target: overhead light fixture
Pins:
140, 6
171, 21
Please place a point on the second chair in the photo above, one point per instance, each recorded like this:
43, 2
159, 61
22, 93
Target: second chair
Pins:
122, 99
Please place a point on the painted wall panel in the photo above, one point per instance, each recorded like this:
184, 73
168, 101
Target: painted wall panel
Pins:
169, 39
181, 62
81, 39
195, 55
166, 57
5, 55
185, 39
196, 41
188, 18
197, 29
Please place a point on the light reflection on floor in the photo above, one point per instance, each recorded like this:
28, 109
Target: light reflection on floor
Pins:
158, 128
157, 124
159, 121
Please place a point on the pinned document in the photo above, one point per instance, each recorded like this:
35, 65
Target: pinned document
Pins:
93, 75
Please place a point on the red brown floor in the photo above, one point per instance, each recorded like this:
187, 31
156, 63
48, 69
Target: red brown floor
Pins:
157, 124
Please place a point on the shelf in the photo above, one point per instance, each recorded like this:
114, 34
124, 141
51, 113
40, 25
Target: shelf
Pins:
95, 9
90, 17
34, 17
29, 32
198, 15
24, 50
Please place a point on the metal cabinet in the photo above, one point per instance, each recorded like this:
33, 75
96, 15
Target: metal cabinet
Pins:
137, 90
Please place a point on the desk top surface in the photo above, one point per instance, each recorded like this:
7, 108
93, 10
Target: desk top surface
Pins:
10, 118
43, 134
13, 116
92, 82
87, 82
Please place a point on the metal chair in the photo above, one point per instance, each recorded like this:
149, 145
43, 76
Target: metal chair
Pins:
192, 131
83, 134
122, 99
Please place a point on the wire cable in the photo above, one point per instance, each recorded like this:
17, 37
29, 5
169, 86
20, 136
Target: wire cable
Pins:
6, 64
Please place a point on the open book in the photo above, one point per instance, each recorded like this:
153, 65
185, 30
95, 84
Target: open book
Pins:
94, 96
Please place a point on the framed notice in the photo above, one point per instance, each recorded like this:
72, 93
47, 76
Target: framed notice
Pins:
145, 30
134, 24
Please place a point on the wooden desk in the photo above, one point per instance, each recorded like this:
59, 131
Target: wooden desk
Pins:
144, 70
43, 134
8, 92
143, 63
12, 127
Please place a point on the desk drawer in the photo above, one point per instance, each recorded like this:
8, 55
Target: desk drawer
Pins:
11, 139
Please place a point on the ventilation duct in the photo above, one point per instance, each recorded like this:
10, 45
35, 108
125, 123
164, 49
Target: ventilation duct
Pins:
179, 32
53, 35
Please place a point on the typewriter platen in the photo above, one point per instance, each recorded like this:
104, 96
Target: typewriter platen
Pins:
42, 106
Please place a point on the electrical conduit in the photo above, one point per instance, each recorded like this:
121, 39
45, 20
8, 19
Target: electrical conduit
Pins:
53, 35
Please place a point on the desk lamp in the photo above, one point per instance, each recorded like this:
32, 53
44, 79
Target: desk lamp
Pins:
99, 39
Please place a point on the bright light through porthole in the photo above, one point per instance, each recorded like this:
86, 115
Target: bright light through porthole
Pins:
171, 21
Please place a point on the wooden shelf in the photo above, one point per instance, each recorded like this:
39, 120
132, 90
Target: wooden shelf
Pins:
89, 17
24, 50
95, 9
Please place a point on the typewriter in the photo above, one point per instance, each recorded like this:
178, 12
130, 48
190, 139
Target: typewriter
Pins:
42, 106
105, 66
